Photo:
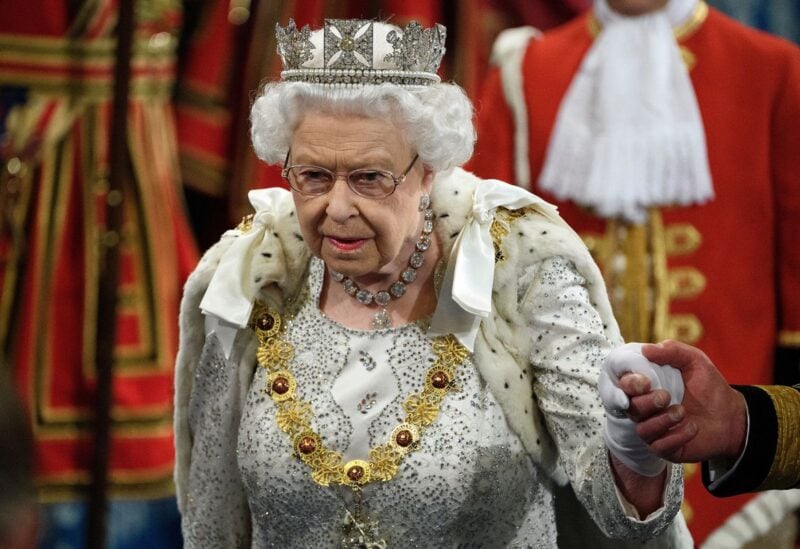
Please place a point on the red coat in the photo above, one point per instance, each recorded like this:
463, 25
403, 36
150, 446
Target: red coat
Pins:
53, 225
726, 275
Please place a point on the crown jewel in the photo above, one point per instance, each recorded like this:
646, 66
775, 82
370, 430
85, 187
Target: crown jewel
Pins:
355, 52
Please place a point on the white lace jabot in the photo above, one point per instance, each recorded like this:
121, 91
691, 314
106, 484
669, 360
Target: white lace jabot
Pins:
629, 135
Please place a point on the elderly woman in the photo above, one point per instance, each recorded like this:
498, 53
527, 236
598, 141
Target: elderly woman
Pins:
397, 353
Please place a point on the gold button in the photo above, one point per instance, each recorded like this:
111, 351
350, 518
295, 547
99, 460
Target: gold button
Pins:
681, 239
685, 283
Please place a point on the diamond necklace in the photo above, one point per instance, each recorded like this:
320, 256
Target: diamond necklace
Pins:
396, 290
294, 415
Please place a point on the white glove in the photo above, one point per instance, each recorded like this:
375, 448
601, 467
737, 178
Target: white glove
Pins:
620, 430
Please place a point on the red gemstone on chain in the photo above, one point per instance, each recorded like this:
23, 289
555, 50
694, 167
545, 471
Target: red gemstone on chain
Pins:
280, 385
355, 473
307, 445
403, 438
440, 380
265, 322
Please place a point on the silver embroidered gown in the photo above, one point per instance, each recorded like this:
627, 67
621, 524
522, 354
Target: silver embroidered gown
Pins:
471, 484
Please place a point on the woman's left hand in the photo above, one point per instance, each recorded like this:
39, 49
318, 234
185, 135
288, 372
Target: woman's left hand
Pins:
641, 400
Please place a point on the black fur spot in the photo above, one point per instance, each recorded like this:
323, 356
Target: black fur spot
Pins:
266, 254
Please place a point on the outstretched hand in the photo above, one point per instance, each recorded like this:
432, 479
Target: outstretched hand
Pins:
711, 421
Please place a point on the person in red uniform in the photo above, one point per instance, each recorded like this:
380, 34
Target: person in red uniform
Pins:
56, 86
685, 184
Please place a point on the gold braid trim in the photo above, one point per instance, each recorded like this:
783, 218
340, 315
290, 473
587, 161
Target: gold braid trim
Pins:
785, 470
788, 338
686, 29
501, 225
63, 66
659, 251
71, 487
694, 22
294, 415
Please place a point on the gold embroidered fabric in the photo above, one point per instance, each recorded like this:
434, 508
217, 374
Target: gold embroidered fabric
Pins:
68, 67
686, 283
633, 259
634, 264
685, 30
681, 239
785, 470
500, 228
684, 327
789, 338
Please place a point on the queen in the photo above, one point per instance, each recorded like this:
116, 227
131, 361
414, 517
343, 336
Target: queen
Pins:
396, 353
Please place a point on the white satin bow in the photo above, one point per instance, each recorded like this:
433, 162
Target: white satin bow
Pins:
466, 294
231, 293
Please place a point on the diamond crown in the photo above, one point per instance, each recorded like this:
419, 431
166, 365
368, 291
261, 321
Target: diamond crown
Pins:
355, 52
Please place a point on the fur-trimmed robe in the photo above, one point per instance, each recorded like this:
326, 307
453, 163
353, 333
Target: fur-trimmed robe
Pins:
501, 349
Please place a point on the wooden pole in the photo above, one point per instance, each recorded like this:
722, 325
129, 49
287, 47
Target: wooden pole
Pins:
119, 172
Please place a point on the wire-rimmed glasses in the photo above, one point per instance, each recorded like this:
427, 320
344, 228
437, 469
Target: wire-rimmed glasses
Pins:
313, 180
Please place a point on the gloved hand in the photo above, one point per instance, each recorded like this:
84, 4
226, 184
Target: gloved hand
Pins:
620, 430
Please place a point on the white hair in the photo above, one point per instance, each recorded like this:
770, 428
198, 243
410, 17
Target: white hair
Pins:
437, 119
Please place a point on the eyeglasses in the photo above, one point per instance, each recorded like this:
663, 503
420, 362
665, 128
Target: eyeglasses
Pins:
367, 182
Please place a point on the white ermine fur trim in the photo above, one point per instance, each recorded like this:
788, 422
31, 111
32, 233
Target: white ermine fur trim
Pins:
192, 336
508, 53
501, 348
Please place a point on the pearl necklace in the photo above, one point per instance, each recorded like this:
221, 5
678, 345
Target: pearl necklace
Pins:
397, 289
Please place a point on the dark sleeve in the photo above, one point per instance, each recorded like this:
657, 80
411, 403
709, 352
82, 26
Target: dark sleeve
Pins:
770, 458
787, 365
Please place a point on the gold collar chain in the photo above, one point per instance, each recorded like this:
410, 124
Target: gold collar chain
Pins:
294, 415
682, 31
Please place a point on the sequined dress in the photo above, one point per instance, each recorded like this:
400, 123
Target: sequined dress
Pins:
489, 469
471, 483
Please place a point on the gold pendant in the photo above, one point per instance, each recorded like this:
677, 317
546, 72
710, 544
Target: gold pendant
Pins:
358, 531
